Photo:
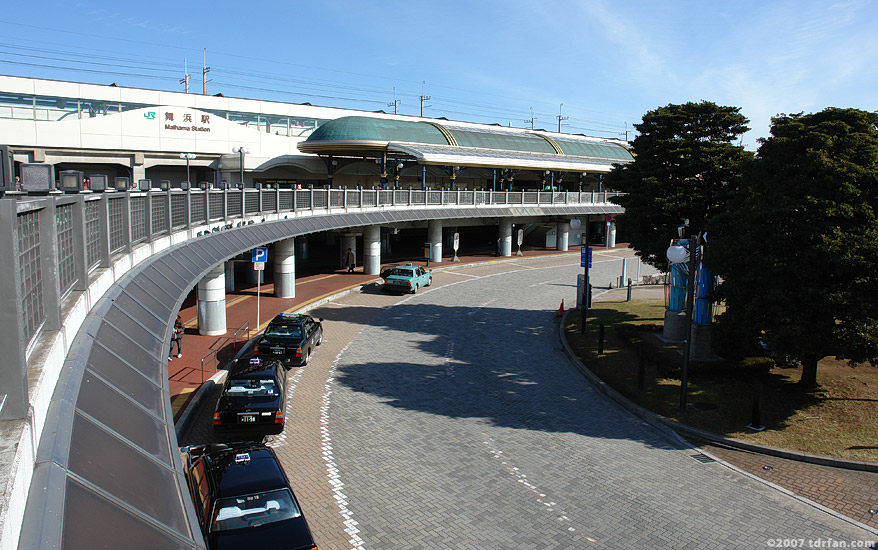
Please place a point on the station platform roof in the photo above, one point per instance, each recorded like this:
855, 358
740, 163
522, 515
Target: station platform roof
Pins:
451, 144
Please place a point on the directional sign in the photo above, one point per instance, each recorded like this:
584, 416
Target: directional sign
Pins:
520, 236
456, 240
260, 254
259, 266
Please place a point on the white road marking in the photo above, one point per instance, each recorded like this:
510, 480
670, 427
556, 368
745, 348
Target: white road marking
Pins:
540, 496
280, 439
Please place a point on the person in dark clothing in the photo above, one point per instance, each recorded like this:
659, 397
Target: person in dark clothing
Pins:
177, 336
350, 260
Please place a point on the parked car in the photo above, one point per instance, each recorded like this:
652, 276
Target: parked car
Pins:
252, 401
243, 498
290, 337
407, 278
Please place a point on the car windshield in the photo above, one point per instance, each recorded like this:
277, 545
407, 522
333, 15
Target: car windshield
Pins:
287, 331
251, 387
254, 510
402, 272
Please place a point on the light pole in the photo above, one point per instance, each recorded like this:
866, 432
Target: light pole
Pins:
188, 157
676, 255
241, 151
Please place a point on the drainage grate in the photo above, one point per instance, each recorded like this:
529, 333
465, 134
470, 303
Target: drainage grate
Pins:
703, 458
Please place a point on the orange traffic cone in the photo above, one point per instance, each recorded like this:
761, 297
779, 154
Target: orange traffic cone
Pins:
561, 309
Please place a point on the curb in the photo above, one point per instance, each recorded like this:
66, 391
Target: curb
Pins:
704, 435
671, 428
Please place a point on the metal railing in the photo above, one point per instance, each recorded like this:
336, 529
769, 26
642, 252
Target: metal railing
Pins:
56, 241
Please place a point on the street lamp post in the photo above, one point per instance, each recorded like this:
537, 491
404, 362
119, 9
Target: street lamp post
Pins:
673, 255
188, 157
241, 151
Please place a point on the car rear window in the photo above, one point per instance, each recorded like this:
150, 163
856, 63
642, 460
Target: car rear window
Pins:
254, 510
251, 387
287, 331
402, 272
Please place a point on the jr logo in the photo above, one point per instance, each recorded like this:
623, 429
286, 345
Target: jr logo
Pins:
149, 114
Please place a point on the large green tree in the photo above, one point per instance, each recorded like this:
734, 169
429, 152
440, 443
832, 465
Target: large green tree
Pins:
798, 252
686, 166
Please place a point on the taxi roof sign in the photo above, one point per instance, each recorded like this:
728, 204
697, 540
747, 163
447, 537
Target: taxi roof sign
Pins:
242, 457
255, 361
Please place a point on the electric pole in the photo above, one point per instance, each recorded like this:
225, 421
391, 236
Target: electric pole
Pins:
423, 97
396, 103
185, 79
560, 118
204, 70
532, 118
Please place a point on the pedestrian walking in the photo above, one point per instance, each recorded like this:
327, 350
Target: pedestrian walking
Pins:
350, 260
177, 336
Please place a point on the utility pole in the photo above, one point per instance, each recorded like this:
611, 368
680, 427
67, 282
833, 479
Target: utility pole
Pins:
396, 103
560, 118
625, 133
532, 118
204, 70
423, 97
185, 79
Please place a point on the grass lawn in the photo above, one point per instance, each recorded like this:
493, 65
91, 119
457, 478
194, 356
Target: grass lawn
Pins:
838, 420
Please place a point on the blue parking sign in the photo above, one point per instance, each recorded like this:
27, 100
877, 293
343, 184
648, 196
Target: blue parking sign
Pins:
260, 254
584, 256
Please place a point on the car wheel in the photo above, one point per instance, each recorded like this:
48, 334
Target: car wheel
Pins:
415, 289
429, 281
320, 339
307, 358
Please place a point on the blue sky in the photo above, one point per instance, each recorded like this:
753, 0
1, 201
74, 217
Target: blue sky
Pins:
607, 62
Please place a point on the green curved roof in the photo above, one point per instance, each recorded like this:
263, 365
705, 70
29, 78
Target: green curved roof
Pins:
498, 139
592, 149
363, 128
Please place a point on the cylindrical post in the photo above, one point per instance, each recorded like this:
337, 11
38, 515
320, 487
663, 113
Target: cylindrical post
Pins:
629, 290
690, 299
372, 250
212, 303
601, 339
285, 268
756, 417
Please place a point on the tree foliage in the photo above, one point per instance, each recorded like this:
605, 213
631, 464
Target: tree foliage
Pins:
798, 251
685, 167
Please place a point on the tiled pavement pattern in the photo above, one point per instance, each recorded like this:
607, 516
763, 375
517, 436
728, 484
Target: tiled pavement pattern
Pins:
853, 493
454, 421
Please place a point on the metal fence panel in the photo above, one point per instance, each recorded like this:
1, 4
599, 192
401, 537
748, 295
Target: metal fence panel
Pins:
251, 202
286, 199
318, 198
31, 274
419, 197
336, 198
303, 200
515, 197
196, 208
269, 200
118, 233
352, 199
234, 204
159, 214
216, 207
138, 219
449, 197
178, 210
467, 197
400, 196
370, 198
531, 197
92, 234
66, 263
434, 197
385, 197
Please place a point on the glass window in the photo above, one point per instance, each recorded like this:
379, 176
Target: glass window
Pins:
251, 387
254, 510
286, 331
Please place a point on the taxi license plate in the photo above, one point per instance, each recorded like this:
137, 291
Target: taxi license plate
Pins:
278, 350
246, 418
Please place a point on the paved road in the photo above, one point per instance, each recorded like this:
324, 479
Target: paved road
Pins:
452, 419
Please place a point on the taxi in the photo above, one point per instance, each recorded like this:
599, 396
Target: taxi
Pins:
407, 278
290, 337
243, 498
252, 401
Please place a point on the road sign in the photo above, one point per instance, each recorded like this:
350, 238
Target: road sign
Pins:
456, 240
259, 266
260, 254
584, 256
609, 218
520, 236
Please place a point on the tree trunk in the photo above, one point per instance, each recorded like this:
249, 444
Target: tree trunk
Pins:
809, 373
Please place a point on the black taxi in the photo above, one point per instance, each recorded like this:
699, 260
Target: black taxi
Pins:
243, 498
290, 337
252, 401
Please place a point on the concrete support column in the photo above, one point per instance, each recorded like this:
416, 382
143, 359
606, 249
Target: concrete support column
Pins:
611, 235
348, 241
505, 231
563, 240
372, 250
285, 268
434, 237
230, 276
212, 302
